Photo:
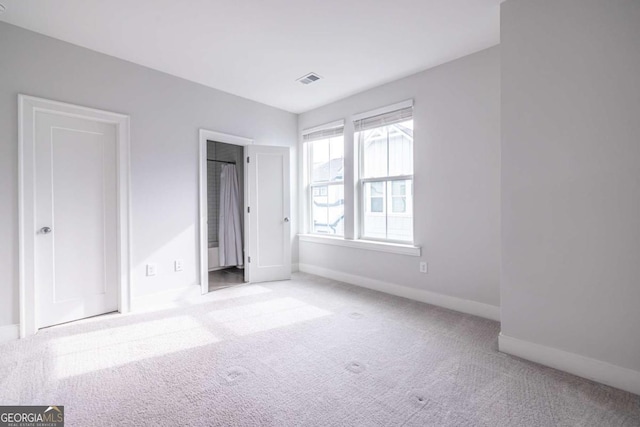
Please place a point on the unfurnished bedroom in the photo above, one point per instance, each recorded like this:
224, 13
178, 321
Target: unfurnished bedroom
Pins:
321, 213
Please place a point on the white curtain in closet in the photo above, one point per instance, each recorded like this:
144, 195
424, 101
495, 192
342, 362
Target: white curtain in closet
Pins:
229, 230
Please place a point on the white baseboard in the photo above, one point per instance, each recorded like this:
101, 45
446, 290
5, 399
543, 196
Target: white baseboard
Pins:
166, 299
458, 304
295, 267
596, 370
9, 332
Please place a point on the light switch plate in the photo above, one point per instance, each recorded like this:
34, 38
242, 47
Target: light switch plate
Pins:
178, 265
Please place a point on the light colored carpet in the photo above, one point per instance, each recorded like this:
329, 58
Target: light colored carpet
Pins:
304, 352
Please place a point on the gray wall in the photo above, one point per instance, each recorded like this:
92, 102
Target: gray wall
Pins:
457, 180
166, 113
571, 176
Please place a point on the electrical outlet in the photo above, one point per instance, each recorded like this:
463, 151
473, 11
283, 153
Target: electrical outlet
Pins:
152, 269
178, 265
423, 267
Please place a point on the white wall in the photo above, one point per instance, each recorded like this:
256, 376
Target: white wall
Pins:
571, 177
457, 181
166, 113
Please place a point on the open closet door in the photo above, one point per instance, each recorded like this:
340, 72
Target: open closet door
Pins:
269, 224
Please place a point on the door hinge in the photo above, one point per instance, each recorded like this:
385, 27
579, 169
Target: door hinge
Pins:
248, 209
249, 259
248, 161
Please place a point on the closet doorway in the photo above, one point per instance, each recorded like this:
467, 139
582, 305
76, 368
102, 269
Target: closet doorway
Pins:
222, 210
265, 205
225, 201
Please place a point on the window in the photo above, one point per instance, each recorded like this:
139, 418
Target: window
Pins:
380, 190
386, 175
325, 153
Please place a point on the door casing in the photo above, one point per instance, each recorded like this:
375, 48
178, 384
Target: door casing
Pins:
27, 108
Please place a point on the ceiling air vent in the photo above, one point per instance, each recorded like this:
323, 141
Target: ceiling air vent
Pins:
309, 78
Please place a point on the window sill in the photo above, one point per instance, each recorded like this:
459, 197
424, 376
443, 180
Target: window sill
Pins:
394, 248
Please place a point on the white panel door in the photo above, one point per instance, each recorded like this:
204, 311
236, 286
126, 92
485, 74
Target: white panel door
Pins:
269, 223
75, 218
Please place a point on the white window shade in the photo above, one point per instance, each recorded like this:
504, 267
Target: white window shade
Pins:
384, 119
323, 132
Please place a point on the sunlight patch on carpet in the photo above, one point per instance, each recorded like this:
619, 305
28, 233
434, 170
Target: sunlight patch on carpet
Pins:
267, 315
108, 348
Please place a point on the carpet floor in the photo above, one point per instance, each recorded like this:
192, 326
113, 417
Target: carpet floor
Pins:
305, 352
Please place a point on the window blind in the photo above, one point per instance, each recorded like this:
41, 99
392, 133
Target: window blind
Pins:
323, 132
384, 119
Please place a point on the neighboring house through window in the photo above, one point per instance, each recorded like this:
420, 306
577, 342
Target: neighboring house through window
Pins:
385, 144
382, 181
325, 152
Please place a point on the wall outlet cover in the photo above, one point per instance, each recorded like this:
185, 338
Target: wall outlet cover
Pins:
152, 269
178, 265
423, 267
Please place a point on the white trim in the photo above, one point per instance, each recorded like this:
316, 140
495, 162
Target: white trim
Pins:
295, 267
458, 304
596, 370
393, 248
332, 125
382, 110
27, 106
204, 136
9, 333
225, 137
303, 189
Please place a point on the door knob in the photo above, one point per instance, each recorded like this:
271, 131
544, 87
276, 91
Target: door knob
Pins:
45, 230
286, 219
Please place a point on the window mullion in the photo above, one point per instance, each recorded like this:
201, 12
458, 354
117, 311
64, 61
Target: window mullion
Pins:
388, 178
326, 184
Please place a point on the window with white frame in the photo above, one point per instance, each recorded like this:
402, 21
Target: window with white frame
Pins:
325, 193
385, 145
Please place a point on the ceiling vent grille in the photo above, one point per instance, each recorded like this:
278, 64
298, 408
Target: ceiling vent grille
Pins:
309, 78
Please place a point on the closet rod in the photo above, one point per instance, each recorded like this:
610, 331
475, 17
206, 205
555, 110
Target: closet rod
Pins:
221, 161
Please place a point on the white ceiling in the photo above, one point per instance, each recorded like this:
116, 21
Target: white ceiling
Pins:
258, 48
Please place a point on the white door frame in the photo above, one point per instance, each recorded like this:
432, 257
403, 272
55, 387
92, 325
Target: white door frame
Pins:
209, 135
28, 106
